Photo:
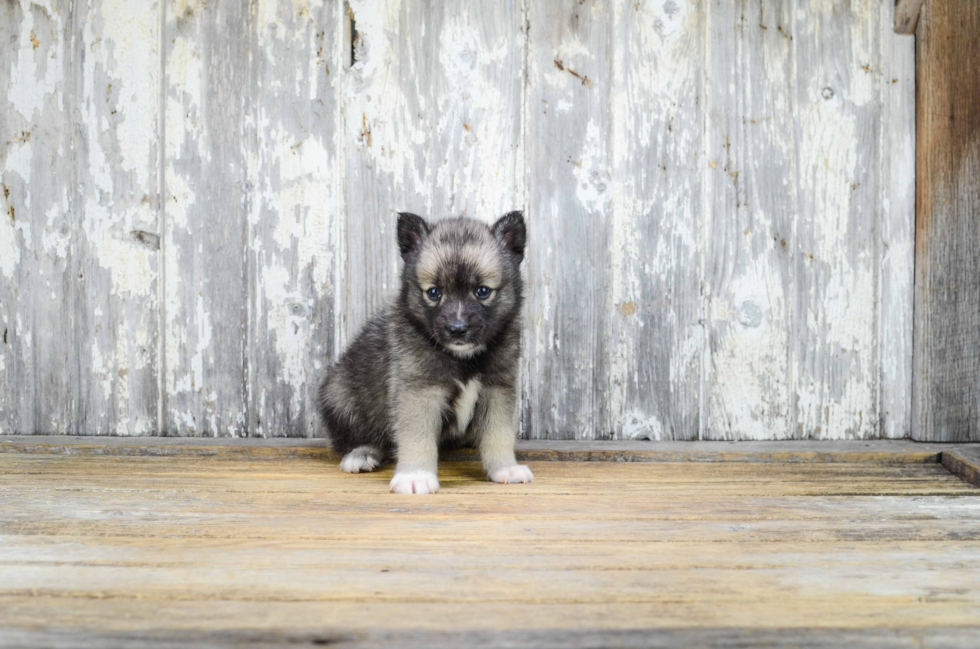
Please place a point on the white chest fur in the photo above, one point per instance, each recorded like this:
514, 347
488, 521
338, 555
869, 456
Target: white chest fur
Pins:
466, 403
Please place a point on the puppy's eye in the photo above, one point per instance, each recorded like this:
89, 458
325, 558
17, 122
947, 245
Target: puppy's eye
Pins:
434, 293
482, 293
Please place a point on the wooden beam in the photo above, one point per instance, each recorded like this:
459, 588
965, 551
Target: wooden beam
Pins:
946, 356
253, 449
907, 15
963, 462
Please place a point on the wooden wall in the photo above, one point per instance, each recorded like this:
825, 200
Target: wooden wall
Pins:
946, 399
199, 200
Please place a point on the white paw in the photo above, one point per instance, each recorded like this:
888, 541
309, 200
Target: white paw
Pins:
360, 460
512, 475
415, 482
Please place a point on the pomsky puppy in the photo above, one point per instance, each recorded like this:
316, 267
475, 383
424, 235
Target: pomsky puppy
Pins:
438, 367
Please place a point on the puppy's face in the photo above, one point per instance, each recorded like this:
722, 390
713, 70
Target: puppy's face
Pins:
461, 282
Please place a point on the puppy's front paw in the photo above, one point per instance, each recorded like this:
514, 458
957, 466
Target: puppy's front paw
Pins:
415, 482
512, 475
361, 460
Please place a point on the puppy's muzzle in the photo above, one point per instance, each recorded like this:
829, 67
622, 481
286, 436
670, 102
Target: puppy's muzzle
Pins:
457, 330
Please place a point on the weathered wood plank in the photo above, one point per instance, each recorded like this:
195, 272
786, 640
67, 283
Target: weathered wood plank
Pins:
125, 546
244, 294
874, 451
294, 219
906, 14
569, 166
837, 120
38, 229
964, 462
432, 125
648, 369
896, 215
750, 236
813, 638
946, 391
205, 233
116, 210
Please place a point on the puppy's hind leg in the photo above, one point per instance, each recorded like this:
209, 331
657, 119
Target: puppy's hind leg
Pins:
363, 459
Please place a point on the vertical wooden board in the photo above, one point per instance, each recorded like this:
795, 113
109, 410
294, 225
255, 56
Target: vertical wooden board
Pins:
432, 124
117, 62
896, 213
648, 371
946, 389
835, 276
294, 217
906, 14
569, 180
751, 158
204, 239
37, 374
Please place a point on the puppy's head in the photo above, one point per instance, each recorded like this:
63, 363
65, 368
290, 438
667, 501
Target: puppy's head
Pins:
462, 282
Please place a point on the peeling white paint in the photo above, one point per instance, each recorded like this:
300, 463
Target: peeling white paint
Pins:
625, 175
9, 247
29, 88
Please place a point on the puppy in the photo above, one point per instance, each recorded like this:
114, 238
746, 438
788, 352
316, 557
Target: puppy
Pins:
438, 367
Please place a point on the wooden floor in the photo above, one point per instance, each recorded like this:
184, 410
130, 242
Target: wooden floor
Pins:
233, 548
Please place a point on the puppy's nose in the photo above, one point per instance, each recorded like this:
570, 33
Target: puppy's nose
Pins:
457, 329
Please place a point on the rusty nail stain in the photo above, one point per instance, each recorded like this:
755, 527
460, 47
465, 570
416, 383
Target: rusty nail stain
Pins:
585, 80
365, 131
34, 40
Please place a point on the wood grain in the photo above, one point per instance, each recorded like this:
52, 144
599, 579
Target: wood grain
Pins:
750, 234
201, 202
800, 452
126, 547
896, 216
432, 125
116, 248
906, 15
205, 284
648, 373
294, 212
965, 463
813, 637
946, 391
569, 82
837, 121
39, 228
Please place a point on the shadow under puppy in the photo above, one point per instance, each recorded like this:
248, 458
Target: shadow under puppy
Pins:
439, 366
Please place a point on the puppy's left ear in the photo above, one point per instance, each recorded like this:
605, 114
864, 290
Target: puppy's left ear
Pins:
510, 231
412, 229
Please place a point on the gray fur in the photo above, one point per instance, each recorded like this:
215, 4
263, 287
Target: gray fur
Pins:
399, 387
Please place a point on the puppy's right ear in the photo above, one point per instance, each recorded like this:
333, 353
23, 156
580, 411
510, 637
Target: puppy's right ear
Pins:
412, 229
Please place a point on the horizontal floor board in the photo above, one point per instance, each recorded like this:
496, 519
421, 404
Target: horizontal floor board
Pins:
129, 543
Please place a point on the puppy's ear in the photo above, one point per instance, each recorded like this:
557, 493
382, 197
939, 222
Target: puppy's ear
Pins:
412, 229
510, 231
